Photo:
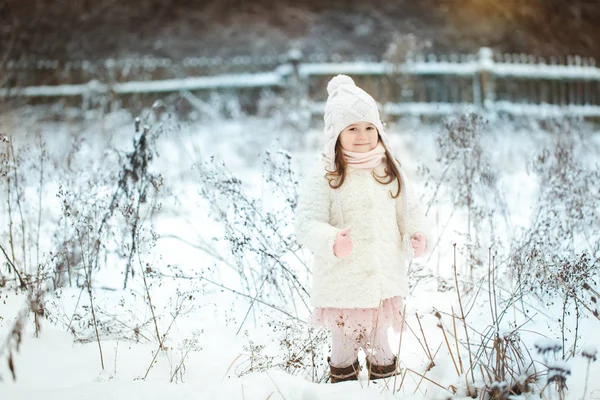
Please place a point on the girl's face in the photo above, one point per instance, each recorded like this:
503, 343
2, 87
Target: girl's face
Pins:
359, 137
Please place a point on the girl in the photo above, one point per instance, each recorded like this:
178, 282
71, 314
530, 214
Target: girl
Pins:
361, 223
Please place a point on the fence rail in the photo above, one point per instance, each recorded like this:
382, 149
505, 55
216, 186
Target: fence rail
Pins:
423, 85
261, 80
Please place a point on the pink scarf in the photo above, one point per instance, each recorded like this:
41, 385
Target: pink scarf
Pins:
368, 160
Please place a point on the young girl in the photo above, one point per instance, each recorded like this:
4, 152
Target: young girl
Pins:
358, 217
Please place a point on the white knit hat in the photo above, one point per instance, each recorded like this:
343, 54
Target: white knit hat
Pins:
348, 104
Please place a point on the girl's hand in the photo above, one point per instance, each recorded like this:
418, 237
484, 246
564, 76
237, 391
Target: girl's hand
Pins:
343, 244
419, 244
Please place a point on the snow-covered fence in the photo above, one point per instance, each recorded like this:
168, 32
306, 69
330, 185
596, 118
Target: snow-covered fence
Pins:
513, 84
266, 79
424, 85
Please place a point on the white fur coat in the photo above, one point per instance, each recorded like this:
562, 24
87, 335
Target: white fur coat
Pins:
376, 268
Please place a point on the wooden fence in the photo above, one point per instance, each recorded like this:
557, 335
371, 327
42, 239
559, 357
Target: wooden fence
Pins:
513, 84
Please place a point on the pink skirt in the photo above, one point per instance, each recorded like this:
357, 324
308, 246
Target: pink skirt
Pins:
357, 320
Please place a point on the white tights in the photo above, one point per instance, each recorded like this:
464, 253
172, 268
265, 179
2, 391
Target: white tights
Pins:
344, 348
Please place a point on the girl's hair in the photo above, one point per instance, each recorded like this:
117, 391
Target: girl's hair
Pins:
336, 177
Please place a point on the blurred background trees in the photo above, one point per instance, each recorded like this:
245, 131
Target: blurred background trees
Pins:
84, 29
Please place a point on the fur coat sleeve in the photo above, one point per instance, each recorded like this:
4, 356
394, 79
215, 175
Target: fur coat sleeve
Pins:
415, 217
312, 224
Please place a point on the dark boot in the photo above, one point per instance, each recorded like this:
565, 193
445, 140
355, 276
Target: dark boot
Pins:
381, 371
349, 373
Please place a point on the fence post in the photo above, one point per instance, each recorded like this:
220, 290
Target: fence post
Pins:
294, 57
300, 117
294, 80
486, 77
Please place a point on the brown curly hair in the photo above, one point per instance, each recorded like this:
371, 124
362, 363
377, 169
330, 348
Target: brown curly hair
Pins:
336, 177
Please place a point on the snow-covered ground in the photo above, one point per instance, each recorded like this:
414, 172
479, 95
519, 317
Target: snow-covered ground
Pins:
217, 341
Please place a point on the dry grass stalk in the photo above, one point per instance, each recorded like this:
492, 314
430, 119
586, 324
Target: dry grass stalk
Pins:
463, 317
179, 367
483, 375
146, 288
423, 377
572, 292
88, 284
456, 341
431, 363
231, 365
161, 341
419, 340
15, 269
399, 347
373, 337
402, 380
471, 391
491, 300
276, 387
11, 153
441, 326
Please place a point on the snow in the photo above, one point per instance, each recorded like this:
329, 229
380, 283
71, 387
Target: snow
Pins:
589, 351
427, 109
358, 68
222, 81
561, 367
466, 68
544, 110
216, 359
168, 85
60, 90
546, 71
545, 345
